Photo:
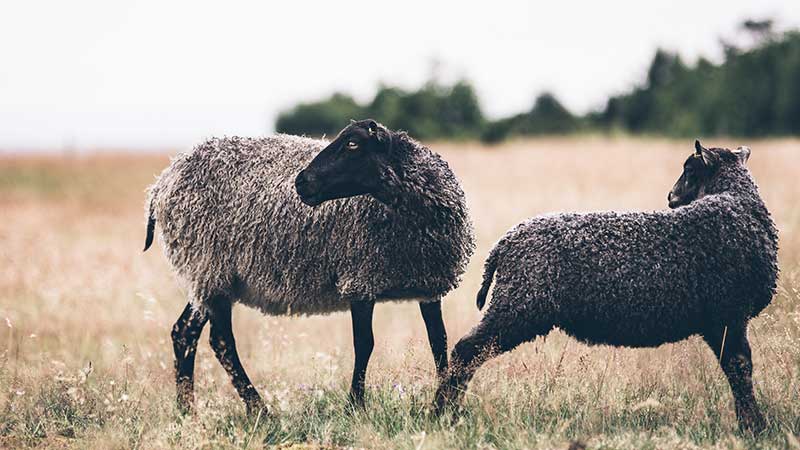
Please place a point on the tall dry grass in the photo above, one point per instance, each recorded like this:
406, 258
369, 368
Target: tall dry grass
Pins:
86, 360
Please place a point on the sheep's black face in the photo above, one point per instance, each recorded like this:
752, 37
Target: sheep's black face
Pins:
351, 165
697, 169
701, 169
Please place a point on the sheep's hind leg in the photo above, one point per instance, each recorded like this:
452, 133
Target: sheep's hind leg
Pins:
437, 335
735, 358
224, 346
487, 340
363, 342
185, 334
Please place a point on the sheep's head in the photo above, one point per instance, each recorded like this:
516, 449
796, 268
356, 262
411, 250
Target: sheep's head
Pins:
355, 163
700, 169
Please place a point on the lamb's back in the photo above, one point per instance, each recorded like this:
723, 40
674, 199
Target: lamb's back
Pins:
634, 276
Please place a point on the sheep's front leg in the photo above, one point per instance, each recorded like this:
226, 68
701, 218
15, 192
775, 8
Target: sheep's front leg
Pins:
733, 352
437, 335
224, 346
185, 334
496, 333
363, 342
468, 355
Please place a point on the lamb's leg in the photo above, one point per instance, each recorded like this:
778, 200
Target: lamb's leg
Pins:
185, 334
737, 363
224, 346
363, 342
487, 340
437, 335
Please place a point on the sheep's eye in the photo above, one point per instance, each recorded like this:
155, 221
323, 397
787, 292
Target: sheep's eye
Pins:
352, 145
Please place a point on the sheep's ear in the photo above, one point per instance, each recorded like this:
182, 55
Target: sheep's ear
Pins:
372, 127
709, 158
698, 147
743, 153
377, 132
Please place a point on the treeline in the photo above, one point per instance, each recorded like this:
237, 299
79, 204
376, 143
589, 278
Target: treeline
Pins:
432, 112
753, 92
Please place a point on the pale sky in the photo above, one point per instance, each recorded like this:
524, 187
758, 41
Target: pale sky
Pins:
165, 74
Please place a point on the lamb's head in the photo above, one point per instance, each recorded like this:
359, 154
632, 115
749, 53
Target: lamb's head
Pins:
358, 161
708, 171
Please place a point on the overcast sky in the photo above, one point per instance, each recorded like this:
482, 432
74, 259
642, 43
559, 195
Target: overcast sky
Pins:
164, 74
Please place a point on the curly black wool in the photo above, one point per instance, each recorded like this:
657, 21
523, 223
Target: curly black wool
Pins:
636, 279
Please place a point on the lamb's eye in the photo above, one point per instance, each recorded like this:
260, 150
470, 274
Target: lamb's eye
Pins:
352, 145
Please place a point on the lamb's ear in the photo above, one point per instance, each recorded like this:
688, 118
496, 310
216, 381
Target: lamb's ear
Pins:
709, 157
743, 153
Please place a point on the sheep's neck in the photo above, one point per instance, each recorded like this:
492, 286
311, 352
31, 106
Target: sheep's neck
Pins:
741, 187
744, 191
415, 189
415, 200
413, 205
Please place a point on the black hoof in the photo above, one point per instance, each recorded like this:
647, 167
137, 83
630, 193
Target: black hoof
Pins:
185, 399
447, 395
752, 424
356, 400
256, 408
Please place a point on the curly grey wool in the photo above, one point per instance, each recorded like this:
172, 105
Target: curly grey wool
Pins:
231, 223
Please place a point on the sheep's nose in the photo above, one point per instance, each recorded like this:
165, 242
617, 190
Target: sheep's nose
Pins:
305, 183
304, 178
672, 200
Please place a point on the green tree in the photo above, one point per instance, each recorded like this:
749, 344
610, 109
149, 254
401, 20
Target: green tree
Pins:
434, 111
548, 116
754, 91
325, 117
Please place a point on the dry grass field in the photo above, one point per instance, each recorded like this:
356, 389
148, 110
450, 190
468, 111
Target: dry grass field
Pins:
86, 360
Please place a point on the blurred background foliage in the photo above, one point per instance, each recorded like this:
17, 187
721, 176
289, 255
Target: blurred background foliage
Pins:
434, 111
753, 91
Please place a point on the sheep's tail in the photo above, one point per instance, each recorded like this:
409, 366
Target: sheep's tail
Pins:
151, 225
488, 275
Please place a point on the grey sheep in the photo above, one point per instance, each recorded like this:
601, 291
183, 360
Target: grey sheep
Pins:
389, 222
637, 279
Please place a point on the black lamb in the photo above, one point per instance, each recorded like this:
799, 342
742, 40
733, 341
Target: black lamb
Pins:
637, 279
